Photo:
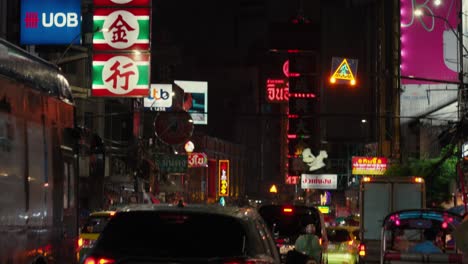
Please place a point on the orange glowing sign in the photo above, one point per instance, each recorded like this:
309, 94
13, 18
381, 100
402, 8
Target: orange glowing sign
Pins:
369, 165
344, 71
223, 175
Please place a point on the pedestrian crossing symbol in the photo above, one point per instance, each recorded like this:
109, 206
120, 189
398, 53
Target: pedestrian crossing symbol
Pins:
343, 71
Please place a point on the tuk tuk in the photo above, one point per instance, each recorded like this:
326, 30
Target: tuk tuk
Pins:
420, 236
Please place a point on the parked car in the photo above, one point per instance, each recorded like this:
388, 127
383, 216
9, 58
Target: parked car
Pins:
287, 222
91, 230
168, 233
343, 244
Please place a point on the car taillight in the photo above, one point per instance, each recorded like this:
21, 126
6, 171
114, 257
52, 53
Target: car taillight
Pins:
362, 250
288, 210
95, 260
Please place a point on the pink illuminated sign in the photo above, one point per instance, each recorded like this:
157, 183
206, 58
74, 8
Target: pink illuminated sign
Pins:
429, 48
277, 90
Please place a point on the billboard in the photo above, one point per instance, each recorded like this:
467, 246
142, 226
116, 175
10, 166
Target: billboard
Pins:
120, 75
369, 165
159, 98
195, 100
429, 49
50, 22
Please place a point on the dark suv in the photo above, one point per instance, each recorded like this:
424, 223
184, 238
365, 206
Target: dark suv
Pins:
185, 234
287, 222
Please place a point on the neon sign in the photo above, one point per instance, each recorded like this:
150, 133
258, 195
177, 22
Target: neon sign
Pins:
277, 90
223, 174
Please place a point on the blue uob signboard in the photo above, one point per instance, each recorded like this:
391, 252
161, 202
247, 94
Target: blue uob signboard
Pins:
50, 22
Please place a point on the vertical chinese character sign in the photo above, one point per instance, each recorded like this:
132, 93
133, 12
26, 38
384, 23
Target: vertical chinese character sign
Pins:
120, 30
223, 174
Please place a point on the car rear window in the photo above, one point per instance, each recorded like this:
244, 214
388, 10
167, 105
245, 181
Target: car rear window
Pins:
338, 235
95, 224
292, 222
174, 234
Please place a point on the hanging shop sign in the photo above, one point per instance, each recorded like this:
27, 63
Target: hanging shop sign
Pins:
120, 75
319, 181
159, 98
118, 3
121, 29
197, 160
223, 175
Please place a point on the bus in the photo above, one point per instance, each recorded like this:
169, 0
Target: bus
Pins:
38, 172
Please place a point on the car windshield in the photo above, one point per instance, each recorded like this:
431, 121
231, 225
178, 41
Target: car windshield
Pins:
292, 222
338, 235
174, 234
95, 224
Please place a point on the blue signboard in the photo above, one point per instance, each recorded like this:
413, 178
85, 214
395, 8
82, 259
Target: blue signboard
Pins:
50, 22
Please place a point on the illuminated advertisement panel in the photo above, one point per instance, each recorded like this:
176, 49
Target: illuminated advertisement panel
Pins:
50, 22
429, 49
369, 165
223, 176
319, 181
195, 100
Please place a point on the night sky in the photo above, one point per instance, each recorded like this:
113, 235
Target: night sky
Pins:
226, 43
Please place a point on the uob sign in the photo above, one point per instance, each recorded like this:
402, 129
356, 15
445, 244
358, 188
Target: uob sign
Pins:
50, 22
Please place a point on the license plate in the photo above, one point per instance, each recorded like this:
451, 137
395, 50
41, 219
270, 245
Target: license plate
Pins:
285, 248
331, 247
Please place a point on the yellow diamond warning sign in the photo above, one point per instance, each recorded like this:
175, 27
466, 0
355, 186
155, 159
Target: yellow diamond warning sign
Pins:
344, 71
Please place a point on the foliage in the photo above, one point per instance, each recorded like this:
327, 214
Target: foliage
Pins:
437, 172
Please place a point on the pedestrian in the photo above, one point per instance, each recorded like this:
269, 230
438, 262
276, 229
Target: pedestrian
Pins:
309, 244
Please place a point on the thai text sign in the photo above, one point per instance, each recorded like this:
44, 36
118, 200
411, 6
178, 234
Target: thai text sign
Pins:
196, 160
319, 181
171, 163
277, 90
121, 75
223, 174
369, 165
121, 29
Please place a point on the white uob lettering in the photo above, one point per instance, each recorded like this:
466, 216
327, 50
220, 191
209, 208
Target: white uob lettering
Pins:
59, 19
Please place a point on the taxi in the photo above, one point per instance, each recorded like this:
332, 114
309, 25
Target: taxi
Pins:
91, 230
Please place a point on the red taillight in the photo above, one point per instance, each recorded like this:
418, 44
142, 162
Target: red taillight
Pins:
362, 250
288, 210
93, 260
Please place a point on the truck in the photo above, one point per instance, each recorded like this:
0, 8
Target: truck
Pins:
378, 197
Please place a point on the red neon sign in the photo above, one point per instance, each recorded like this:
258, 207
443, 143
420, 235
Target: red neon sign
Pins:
223, 174
277, 90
